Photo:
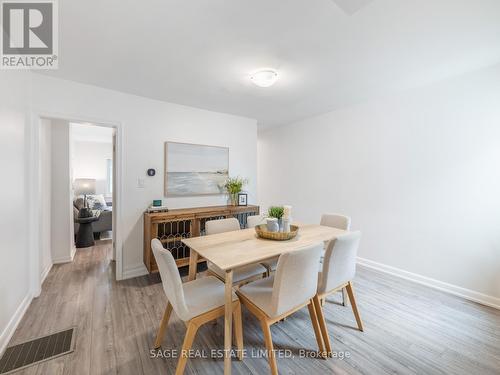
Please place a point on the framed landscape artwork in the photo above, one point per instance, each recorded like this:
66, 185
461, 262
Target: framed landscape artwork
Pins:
192, 169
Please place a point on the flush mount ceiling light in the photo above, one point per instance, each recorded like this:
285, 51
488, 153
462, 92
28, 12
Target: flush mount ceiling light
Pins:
264, 77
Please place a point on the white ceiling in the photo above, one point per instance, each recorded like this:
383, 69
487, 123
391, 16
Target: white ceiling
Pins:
200, 53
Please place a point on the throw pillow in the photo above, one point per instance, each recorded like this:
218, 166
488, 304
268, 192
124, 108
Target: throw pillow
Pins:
96, 202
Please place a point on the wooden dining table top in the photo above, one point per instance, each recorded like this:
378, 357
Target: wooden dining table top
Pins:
235, 249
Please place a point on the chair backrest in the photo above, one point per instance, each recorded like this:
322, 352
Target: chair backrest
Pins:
336, 221
339, 263
296, 279
255, 220
170, 278
222, 225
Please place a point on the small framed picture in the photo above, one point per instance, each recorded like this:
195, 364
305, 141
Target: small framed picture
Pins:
242, 199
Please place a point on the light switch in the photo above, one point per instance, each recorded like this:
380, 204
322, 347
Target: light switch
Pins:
140, 182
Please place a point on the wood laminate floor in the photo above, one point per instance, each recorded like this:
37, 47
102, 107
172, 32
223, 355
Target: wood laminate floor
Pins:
409, 328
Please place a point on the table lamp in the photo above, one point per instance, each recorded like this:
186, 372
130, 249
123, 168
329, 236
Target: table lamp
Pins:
84, 186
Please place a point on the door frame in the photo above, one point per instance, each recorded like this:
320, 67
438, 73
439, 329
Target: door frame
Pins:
33, 192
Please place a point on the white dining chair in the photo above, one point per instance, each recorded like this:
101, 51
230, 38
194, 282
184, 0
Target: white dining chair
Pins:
336, 221
340, 222
339, 268
195, 302
253, 221
243, 274
291, 288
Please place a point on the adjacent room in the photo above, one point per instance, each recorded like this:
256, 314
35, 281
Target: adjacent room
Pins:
265, 187
91, 165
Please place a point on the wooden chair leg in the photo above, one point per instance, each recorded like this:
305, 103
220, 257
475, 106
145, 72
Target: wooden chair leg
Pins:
268, 269
322, 325
238, 328
344, 297
266, 329
163, 325
350, 292
317, 332
188, 342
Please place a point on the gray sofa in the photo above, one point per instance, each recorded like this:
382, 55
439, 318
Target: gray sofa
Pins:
102, 225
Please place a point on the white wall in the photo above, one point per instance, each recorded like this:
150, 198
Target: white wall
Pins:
45, 181
145, 125
14, 221
418, 172
89, 161
62, 229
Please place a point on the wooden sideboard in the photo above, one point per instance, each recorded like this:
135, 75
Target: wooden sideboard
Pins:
173, 226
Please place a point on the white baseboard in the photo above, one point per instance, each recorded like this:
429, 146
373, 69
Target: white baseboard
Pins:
13, 323
62, 260
18, 315
65, 259
135, 271
468, 294
45, 273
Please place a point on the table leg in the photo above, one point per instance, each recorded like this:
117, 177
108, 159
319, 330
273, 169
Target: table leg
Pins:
85, 236
228, 322
193, 264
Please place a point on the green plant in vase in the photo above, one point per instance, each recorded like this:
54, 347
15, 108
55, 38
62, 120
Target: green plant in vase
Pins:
233, 186
276, 211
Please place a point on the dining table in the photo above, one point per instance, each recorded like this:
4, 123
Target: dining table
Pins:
231, 250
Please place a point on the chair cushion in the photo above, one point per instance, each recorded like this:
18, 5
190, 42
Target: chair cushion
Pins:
239, 274
202, 295
260, 293
105, 221
96, 202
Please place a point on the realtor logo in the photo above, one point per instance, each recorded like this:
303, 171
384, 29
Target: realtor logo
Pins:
29, 35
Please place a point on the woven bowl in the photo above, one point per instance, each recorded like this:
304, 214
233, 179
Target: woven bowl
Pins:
262, 232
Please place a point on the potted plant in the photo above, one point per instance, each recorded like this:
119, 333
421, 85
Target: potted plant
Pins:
233, 186
277, 213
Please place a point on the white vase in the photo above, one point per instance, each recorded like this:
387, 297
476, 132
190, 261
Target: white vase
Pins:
272, 224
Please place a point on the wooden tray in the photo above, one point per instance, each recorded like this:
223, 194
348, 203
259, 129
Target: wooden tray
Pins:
262, 232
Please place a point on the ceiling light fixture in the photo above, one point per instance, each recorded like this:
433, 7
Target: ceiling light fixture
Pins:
264, 77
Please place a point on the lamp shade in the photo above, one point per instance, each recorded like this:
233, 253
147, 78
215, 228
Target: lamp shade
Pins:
84, 186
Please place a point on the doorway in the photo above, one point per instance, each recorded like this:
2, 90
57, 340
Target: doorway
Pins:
66, 152
91, 175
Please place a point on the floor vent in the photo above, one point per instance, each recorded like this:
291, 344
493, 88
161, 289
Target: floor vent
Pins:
38, 350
